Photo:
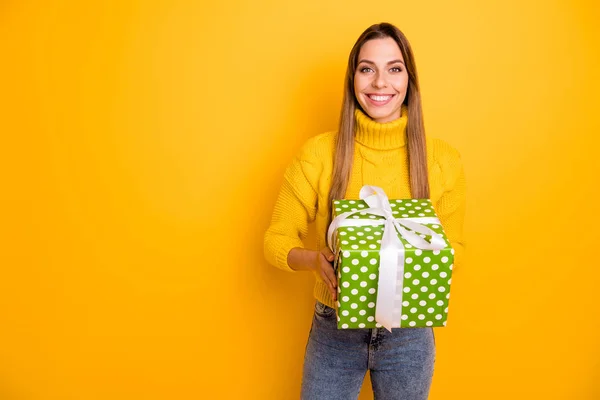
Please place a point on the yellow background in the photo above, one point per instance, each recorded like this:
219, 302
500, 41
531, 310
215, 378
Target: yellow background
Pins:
143, 145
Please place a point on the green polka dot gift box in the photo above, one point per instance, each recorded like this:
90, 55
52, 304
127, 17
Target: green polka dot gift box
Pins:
393, 262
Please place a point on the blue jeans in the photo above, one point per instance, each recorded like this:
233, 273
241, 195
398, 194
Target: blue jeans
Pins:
336, 361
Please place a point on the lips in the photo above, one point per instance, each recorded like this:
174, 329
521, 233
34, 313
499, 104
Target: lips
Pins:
379, 99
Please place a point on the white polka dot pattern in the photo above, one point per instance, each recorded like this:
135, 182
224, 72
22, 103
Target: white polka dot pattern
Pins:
423, 300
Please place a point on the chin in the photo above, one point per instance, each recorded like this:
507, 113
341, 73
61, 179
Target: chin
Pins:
380, 114
389, 113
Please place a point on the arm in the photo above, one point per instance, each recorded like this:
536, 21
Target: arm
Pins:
451, 207
300, 259
295, 208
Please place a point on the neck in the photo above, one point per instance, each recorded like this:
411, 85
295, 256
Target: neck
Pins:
381, 136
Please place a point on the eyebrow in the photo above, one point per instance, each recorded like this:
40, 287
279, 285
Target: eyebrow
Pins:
389, 63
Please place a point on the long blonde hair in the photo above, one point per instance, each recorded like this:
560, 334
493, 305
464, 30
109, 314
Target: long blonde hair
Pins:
415, 129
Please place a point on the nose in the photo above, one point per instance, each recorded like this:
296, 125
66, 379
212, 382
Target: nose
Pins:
379, 81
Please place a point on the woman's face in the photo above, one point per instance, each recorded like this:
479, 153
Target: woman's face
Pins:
381, 80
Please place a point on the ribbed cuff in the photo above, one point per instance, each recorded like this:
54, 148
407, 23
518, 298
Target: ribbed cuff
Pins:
459, 254
321, 293
282, 256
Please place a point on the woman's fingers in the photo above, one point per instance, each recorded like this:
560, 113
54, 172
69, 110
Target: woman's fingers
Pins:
327, 272
327, 253
331, 273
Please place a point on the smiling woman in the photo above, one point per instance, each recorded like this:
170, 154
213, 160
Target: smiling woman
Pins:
381, 142
381, 80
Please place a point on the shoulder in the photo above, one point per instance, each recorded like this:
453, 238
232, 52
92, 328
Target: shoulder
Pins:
317, 148
313, 157
446, 157
442, 151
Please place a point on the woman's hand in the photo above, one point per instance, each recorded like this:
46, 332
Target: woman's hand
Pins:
300, 259
324, 267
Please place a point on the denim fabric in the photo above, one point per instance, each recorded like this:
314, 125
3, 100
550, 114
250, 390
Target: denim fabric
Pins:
336, 361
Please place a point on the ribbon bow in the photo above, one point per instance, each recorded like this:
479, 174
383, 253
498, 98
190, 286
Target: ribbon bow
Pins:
391, 254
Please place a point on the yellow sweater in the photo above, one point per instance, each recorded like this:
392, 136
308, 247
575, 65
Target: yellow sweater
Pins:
380, 159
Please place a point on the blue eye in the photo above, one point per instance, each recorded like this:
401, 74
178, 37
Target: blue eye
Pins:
396, 69
364, 69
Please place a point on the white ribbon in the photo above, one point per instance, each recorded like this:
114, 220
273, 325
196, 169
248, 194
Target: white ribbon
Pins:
391, 254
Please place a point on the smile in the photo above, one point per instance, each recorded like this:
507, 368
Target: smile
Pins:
380, 100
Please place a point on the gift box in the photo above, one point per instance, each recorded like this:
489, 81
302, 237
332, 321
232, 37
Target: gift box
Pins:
393, 262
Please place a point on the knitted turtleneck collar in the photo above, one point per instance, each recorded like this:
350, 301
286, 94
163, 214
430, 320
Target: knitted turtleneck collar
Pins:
381, 136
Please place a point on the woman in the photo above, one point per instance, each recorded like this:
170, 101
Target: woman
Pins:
380, 141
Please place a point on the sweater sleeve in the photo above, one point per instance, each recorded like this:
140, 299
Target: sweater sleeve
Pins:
451, 206
295, 207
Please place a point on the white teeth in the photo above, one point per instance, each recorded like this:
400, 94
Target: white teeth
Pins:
380, 98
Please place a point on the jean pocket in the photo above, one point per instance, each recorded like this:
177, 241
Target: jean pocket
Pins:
323, 310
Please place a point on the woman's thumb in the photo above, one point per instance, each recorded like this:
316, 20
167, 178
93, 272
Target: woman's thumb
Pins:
328, 254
